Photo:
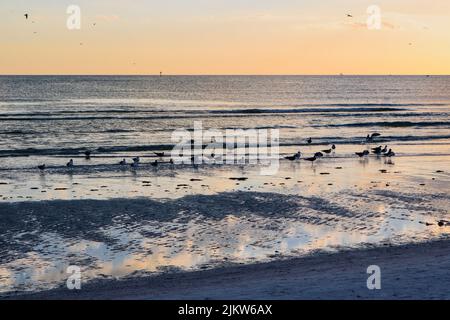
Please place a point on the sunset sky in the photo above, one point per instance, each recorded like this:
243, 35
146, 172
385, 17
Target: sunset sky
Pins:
225, 37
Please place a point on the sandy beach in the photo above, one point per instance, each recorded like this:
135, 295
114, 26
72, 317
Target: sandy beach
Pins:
215, 230
408, 272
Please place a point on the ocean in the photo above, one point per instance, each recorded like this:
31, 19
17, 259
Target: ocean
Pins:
43, 116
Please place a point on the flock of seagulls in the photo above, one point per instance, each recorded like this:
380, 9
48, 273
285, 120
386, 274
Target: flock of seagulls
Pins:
378, 151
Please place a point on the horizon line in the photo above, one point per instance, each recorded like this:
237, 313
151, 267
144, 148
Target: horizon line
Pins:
219, 75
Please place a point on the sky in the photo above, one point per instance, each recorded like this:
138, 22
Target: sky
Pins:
225, 37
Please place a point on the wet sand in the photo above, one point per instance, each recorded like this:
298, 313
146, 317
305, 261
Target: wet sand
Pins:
124, 224
415, 271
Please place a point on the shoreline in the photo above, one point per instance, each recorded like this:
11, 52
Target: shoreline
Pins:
412, 271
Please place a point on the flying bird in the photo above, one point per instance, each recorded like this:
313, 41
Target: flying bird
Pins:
349, 15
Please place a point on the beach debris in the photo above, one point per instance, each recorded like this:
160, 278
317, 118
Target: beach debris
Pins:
195, 179
338, 168
439, 171
26, 16
324, 173
60, 189
383, 170
239, 178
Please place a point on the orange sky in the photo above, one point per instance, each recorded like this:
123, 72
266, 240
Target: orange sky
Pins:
225, 37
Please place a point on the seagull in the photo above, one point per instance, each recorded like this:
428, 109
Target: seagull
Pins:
294, 157
134, 164
123, 162
70, 163
171, 161
159, 154
309, 140
385, 149
377, 150
154, 164
312, 159
136, 160
390, 153
318, 155
26, 16
375, 134
369, 138
41, 167
333, 147
327, 151
87, 154
362, 154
